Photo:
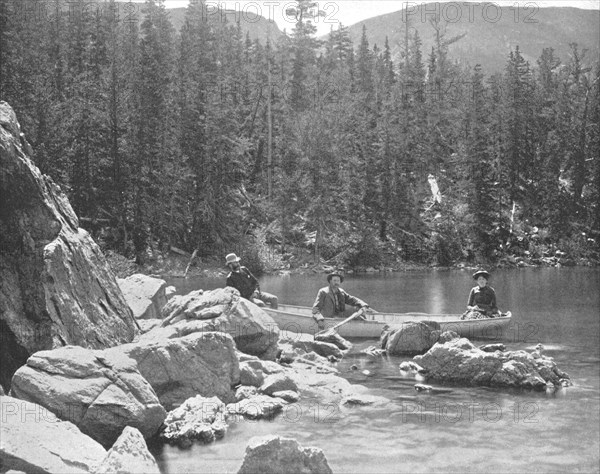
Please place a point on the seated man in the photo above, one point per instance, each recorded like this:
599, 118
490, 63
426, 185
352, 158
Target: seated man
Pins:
241, 279
332, 300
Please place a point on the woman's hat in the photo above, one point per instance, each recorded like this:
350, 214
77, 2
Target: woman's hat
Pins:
231, 258
335, 274
481, 273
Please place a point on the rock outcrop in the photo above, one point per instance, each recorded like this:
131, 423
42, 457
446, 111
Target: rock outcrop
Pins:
276, 455
411, 338
128, 455
145, 295
257, 407
278, 383
101, 392
221, 310
307, 343
253, 372
198, 419
203, 363
56, 286
33, 440
459, 361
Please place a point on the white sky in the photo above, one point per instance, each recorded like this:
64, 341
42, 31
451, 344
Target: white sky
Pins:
349, 12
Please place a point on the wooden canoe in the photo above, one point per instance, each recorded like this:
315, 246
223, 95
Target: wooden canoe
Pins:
298, 319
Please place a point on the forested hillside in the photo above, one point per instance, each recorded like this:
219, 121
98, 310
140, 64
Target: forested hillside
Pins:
485, 32
206, 139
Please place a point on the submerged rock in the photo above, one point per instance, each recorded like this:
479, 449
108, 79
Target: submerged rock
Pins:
257, 407
459, 361
57, 287
277, 455
198, 419
332, 337
409, 366
363, 399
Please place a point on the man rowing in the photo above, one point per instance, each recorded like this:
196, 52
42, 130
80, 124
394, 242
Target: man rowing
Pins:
331, 300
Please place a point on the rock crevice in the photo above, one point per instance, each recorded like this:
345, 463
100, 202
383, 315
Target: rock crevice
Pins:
57, 288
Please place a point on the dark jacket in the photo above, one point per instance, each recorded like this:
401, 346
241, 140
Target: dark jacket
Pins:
325, 303
485, 298
243, 281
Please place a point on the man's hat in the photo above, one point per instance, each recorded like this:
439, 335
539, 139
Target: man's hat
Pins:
231, 258
335, 274
481, 273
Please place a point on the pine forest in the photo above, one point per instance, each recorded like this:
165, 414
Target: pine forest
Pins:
203, 139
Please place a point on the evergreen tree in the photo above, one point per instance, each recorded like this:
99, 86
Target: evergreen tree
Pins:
481, 187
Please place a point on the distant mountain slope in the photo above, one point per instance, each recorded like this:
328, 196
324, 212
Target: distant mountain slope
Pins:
256, 26
486, 42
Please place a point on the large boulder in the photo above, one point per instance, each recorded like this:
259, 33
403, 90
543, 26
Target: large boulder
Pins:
459, 361
411, 338
254, 372
145, 295
56, 286
34, 440
307, 343
256, 407
278, 383
128, 455
276, 455
222, 310
99, 391
198, 419
203, 363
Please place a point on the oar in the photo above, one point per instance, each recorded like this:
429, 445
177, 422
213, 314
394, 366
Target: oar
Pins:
331, 331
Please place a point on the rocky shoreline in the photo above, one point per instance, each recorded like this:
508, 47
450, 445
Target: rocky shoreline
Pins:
212, 359
93, 367
173, 265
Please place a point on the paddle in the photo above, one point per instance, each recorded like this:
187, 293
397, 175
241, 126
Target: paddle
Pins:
332, 331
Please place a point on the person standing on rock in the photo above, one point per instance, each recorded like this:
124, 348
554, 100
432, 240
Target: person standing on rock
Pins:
482, 298
331, 301
242, 280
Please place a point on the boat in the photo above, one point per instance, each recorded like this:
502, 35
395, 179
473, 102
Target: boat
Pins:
298, 319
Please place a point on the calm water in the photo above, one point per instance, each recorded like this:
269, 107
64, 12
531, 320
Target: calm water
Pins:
469, 429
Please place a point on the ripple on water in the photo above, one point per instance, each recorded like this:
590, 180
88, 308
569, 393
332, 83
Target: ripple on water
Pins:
494, 430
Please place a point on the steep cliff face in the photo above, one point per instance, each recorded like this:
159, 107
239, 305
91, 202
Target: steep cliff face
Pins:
56, 287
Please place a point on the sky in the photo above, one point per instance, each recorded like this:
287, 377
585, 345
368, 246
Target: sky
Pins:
349, 12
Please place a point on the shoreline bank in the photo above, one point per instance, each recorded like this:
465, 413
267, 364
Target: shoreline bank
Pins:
174, 265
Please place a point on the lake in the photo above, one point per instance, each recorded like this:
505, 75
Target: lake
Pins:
469, 429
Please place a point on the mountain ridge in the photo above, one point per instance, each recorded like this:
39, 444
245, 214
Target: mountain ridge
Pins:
490, 42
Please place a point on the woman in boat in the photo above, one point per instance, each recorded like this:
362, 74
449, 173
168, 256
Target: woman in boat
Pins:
331, 300
482, 298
